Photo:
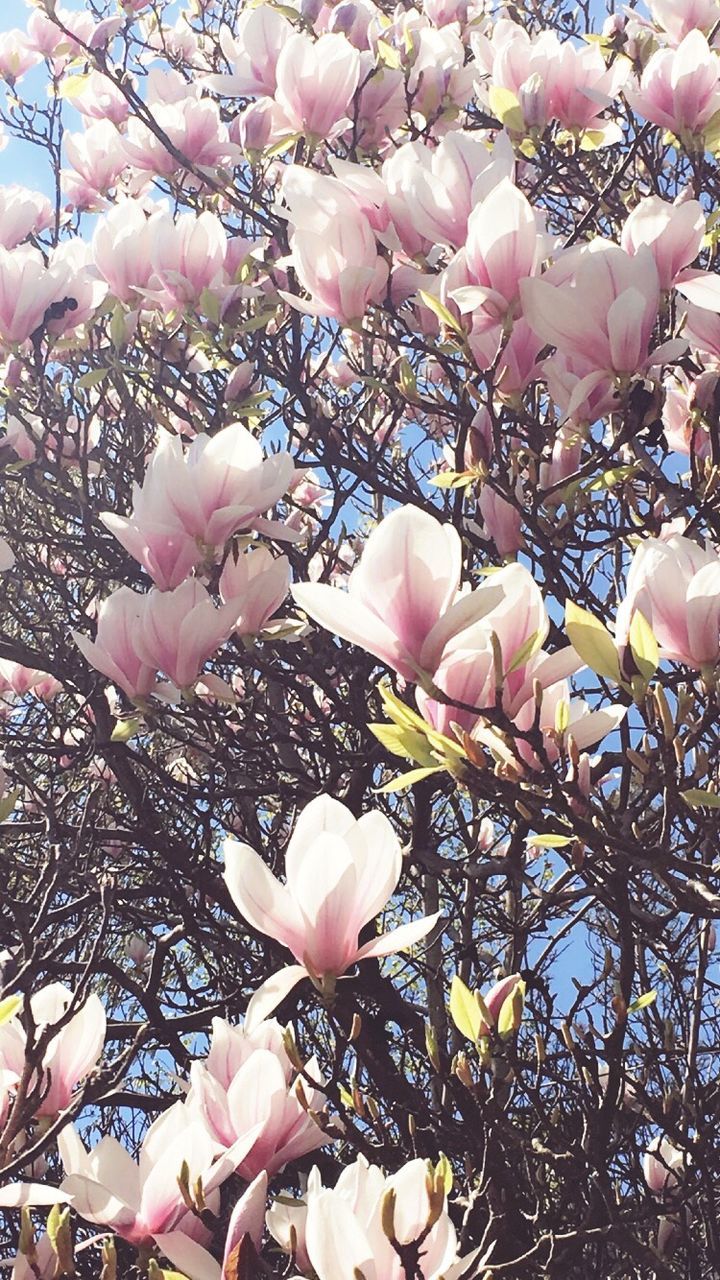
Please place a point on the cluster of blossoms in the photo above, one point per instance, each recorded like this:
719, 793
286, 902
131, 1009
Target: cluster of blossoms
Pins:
301, 274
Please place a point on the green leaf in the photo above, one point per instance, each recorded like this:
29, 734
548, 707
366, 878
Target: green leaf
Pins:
643, 646
73, 86
506, 107
698, 799
443, 1171
9, 1007
592, 641
464, 1009
642, 1002
389, 56
615, 475
92, 379
124, 730
438, 309
157, 1273
407, 780
8, 802
510, 1015
453, 479
549, 841
526, 651
58, 1229
409, 743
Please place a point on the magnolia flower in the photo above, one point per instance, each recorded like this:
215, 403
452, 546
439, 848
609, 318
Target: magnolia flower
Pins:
340, 872
679, 17
675, 584
114, 651
252, 53
432, 191
68, 1056
664, 1167
191, 502
598, 305
513, 630
121, 247
504, 246
673, 232
22, 213
316, 80
179, 630
345, 1232
142, 1200
187, 254
256, 583
403, 601
27, 288
680, 88
333, 247
248, 1082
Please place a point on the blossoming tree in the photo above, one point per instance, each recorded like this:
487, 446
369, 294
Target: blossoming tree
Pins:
359, 640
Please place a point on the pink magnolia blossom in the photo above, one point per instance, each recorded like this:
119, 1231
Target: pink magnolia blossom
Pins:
100, 99
673, 232
17, 55
248, 1083
260, 125
550, 79
403, 600
675, 584
27, 288
339, 1233
466, 673
256, 583
582, 86
252, 53
71, 263
682, 413
70, 1054
316, 80
22, 213
193, 127
114, 650
22, 680
680, 88
187, 254
465, 669
247, 1218
502, 520
191, 502
121, 245
179, 630
352, 18
96, 158
513, 358
495, 998
142, 1200
441, 186
678, 18
504, 246
333, 247
379, 103
340, 873
664, 1167
564, 458
439, 78
601, 312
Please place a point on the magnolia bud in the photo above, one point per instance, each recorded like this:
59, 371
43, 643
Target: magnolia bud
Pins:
137, 950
